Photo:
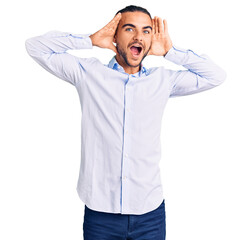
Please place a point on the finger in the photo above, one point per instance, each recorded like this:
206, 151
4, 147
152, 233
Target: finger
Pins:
117, 17
160, 26
113, 48
156, 25
165, 27
114, 21
153, 26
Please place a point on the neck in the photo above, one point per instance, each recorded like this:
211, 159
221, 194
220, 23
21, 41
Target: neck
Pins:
128, 69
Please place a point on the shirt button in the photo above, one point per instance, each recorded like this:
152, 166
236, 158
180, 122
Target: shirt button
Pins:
124, 177
126, 155
126, 131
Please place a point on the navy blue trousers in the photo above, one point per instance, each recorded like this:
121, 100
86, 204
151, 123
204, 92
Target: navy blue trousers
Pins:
116, 226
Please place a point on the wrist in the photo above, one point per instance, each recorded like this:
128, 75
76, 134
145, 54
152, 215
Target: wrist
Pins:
92, 39
167, 50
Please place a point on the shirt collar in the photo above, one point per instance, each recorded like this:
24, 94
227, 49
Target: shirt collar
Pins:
116, 66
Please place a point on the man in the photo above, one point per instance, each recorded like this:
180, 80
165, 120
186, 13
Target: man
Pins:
122, 105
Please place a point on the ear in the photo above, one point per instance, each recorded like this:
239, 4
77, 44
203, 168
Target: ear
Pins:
114, 39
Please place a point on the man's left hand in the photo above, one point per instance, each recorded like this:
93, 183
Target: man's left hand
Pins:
161, 41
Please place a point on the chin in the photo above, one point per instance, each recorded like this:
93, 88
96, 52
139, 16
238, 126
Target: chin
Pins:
135, 61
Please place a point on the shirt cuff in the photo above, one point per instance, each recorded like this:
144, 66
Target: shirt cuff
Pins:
181, 56
79, 41
82, 41
176, 54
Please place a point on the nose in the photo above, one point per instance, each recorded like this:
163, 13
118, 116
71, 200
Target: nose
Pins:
138, 36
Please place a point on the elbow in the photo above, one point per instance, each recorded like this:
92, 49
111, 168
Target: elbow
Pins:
31, 45
28, 45
223, 75
220, 77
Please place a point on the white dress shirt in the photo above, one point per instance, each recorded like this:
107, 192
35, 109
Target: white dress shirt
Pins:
121, 117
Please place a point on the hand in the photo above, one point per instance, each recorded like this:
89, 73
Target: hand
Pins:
104, 37
161, 41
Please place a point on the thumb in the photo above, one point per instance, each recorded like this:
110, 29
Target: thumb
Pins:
113, 48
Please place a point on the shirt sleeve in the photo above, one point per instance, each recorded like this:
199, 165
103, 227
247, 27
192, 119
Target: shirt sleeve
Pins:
50, 51
201, 74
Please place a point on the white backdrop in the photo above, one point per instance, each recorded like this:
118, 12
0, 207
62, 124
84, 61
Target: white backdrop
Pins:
206, 138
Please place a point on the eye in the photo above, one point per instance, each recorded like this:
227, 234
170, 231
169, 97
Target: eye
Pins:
146, 31
128, 29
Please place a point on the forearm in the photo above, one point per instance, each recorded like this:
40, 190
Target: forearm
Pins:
202, 73
202, 65
50, 51
57, 42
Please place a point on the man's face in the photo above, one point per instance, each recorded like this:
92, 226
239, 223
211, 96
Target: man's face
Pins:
133, 37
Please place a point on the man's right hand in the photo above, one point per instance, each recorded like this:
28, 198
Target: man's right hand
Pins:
104, 37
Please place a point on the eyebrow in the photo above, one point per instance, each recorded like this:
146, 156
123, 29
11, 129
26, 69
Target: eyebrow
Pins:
131, 25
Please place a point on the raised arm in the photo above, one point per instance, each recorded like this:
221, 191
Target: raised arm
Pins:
50, 50
201, 74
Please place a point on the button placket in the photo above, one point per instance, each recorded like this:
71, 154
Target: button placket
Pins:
126, 145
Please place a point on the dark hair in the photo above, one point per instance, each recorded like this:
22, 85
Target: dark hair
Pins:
133, 8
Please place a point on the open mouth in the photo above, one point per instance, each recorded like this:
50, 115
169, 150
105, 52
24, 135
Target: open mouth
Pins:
135, 50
